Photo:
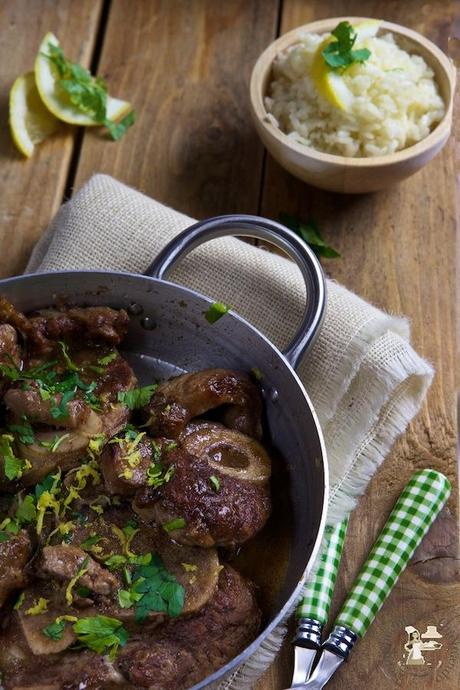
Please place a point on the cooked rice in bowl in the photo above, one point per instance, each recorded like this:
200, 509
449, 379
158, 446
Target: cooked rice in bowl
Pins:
395, 100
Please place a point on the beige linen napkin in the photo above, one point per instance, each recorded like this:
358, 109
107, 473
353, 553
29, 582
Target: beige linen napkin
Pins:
365, 380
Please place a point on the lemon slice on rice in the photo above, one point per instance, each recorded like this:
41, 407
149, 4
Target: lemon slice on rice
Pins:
30, 121
57, 100
330, 84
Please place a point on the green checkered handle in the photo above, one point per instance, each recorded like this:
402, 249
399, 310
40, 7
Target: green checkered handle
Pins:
313, 609
415, 511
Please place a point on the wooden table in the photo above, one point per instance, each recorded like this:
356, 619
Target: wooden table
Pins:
185, 66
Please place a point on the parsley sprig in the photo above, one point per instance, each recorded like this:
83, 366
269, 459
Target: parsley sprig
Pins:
339, 54
311, 234
101, 634
153, 588
216, 311
137, 397
87, 93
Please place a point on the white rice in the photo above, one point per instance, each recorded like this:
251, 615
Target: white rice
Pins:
396, 100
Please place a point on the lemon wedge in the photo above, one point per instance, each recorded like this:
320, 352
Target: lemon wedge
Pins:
330, 84
30, 122
57, 100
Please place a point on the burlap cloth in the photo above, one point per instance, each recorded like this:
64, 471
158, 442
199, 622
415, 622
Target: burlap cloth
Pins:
365, 380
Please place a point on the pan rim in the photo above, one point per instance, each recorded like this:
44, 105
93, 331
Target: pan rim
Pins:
289, 604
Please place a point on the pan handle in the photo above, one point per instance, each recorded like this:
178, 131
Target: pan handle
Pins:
262, 229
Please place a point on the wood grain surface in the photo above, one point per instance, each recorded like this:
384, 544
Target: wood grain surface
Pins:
185, 65
32, 190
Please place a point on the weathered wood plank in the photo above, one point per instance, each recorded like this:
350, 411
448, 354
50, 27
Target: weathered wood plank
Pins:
398, 250
31, 190
185, 67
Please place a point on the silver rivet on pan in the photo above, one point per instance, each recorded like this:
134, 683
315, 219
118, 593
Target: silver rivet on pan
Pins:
273, 395
135, 309
148, 323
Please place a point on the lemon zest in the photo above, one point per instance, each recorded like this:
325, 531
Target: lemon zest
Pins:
63, 528
189, 567
81, 571
48, 499
96, 445
125, 540
38, 607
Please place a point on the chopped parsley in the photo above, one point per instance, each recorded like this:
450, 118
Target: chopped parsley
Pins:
55, 630
310, 233
104, 361
216, 311
101, 634
91, 542
177, 523
13, 467
137, 397
24, 431
70, 365
339, 54
153, 588
87, 93
155, 475
215, 482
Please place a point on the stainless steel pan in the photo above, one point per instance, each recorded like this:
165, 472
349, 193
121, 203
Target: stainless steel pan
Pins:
169, 334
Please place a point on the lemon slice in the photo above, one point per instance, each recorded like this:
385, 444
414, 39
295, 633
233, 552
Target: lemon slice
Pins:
366, 29
30, 121
56, 99
330, 84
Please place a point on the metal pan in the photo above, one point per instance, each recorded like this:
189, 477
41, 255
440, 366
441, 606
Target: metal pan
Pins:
169, 335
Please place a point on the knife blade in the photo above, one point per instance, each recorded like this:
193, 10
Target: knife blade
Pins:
313, 609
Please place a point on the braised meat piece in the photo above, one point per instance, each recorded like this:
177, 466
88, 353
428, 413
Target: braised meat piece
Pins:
9, 348
124, 464
179, 400
97, 324
45, 327
64, 562
39, 411
14, 554
183, 652
209, 507
85, 670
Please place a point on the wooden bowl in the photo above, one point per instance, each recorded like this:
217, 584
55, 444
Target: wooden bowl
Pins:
343, 173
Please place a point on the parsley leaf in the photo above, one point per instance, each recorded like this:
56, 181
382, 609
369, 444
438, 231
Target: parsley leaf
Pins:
55, 630
159, 590
71, 366
26, 511
107, 359
216, 311
102, 634
310, 233
339, 54
215, 482
117, 129
87, 93
177, 523
13, 467
24, 431
137, 397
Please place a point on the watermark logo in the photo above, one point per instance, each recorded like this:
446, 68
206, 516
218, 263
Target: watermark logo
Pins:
419, 646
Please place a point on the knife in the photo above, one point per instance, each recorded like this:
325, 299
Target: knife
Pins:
416, 509
313, 609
